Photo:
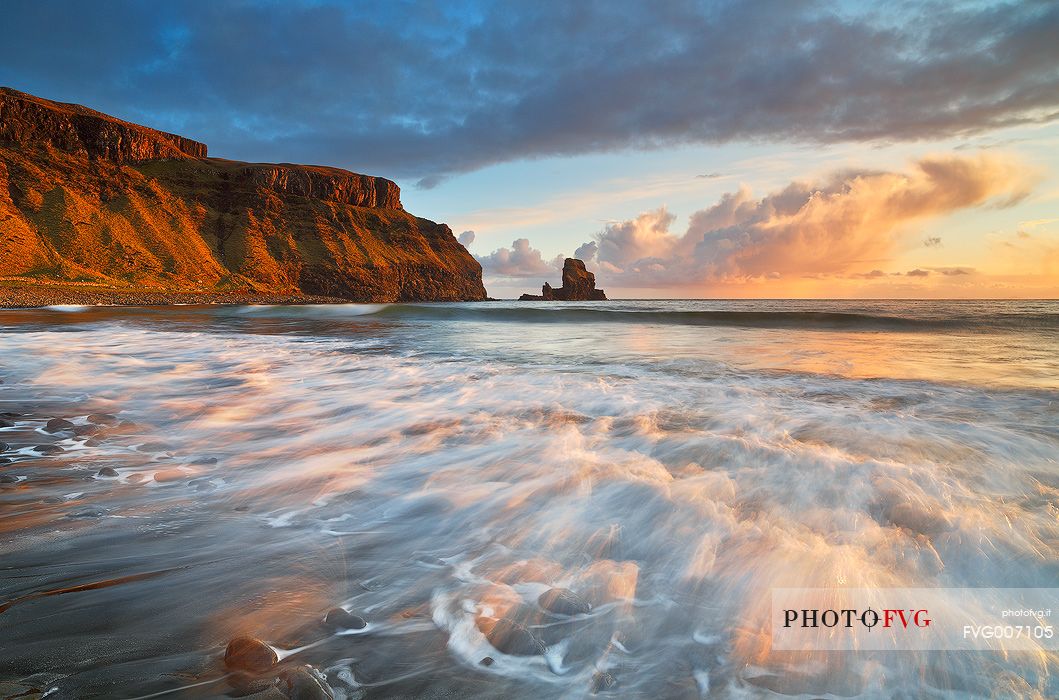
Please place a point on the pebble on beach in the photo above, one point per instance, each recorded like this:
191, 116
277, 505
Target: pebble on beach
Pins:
166, 476
511, 637
563, 601
342, 619
156, 446
249, 654
603, 681
58, 424
87, 514
306, 683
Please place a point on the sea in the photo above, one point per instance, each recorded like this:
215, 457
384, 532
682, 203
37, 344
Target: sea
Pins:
437, 470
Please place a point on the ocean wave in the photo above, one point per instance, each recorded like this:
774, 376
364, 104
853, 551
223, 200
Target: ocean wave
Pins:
443, 500
836, 320
67, 308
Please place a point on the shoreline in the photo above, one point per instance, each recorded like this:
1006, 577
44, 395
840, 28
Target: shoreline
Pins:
63, 295
43, 298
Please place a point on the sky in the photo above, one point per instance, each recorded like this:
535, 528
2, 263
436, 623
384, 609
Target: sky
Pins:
781, 148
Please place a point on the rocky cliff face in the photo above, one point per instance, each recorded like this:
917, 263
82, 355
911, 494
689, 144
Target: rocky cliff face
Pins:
25, 119
86, 198
578, 285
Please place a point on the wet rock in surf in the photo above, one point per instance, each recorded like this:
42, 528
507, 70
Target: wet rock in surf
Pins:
249, 654
8, 479
5, 423
305, 683
5, 460
87, 514
249, 685
103, 419
48, 449
487, 661
154, 447
603, 681
107, 472
337, 618
93, 442
4, 447
56, 425
563, 601
511, 638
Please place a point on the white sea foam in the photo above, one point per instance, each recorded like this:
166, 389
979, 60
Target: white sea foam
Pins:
671, 487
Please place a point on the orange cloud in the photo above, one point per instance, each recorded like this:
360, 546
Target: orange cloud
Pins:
843, 225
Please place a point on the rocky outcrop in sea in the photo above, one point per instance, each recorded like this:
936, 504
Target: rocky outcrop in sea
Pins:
578, 285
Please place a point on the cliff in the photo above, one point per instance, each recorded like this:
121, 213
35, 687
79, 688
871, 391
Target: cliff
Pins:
578, 285
92, 200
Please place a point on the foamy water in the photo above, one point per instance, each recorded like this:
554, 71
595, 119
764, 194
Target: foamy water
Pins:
436, 468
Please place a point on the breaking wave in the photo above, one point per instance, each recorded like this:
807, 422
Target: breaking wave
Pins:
245, 470
952, 318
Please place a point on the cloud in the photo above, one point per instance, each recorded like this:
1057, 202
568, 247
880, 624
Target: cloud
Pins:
1037, 222
520, 260
586, 251
932, 242
466, 238
954, 271
917, 273
425, 90
832, 227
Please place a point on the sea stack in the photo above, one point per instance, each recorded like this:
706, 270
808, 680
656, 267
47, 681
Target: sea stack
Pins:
91, 204
578, 285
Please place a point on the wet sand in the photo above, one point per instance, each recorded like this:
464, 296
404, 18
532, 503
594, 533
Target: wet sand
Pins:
127, 573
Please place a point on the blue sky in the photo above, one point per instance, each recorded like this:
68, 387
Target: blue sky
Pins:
784, 139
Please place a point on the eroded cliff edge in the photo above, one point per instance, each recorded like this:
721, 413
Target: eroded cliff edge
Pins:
87, 199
